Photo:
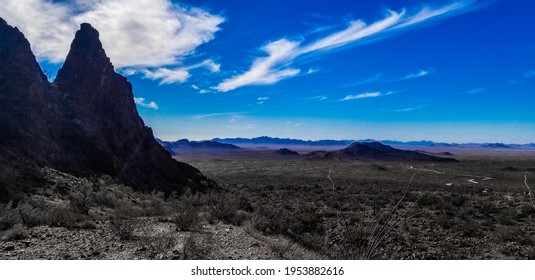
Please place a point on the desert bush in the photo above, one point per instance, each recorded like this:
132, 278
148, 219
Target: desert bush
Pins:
514, 234
8, 184
469, 228
17, 232
185, 217
446, 221
127, 211
456, 200
197, 247
155, 205
160, 245
224, 207
526, 210
31, 215
60, 216
488, 208
105, 198
8, 216
280, 246
40, 212
428, 199
506, 216
86, 225
80, 203
123, 227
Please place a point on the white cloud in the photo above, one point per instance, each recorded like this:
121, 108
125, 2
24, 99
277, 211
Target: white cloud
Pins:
135, 34
49, 33
179, 74
266, 70
141, 102
262, 100
366, 95
167, 76
420, 73
282, 53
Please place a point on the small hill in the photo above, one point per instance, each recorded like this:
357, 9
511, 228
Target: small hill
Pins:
431, 153
286, 152
377, 151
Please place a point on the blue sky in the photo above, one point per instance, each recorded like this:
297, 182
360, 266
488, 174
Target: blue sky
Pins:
454, 71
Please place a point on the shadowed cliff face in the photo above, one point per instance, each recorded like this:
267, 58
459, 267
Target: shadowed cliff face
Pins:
86, 122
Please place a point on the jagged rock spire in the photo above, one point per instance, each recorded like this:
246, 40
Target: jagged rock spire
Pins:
87, 123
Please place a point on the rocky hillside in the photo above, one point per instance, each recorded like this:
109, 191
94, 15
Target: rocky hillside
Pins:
85, 122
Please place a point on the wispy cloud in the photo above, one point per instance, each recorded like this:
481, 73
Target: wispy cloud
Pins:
420, 73
366, 95
262, 100
136, 34
282, 53
141, 102
476, 90
529, 74
411, 108
215, 115
375, 78
317, 98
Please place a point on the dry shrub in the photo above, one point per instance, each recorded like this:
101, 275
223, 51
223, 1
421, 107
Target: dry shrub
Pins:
197, 247
39, 212
186, 217
8, 216
280, 246
224, 206
160, 245
18, 232
123, 227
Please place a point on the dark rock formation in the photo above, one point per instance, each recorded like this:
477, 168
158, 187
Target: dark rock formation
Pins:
378, 151
286, 152
85, 122
186, 146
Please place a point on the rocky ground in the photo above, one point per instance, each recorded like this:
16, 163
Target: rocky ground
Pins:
149, 230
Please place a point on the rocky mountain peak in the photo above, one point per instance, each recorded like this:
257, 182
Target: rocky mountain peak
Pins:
86, 124
87, 62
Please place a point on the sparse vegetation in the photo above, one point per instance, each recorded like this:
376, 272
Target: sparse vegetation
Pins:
357, 215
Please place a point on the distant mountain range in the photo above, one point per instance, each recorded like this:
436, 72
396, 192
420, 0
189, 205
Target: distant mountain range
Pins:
265, 140
186, 146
